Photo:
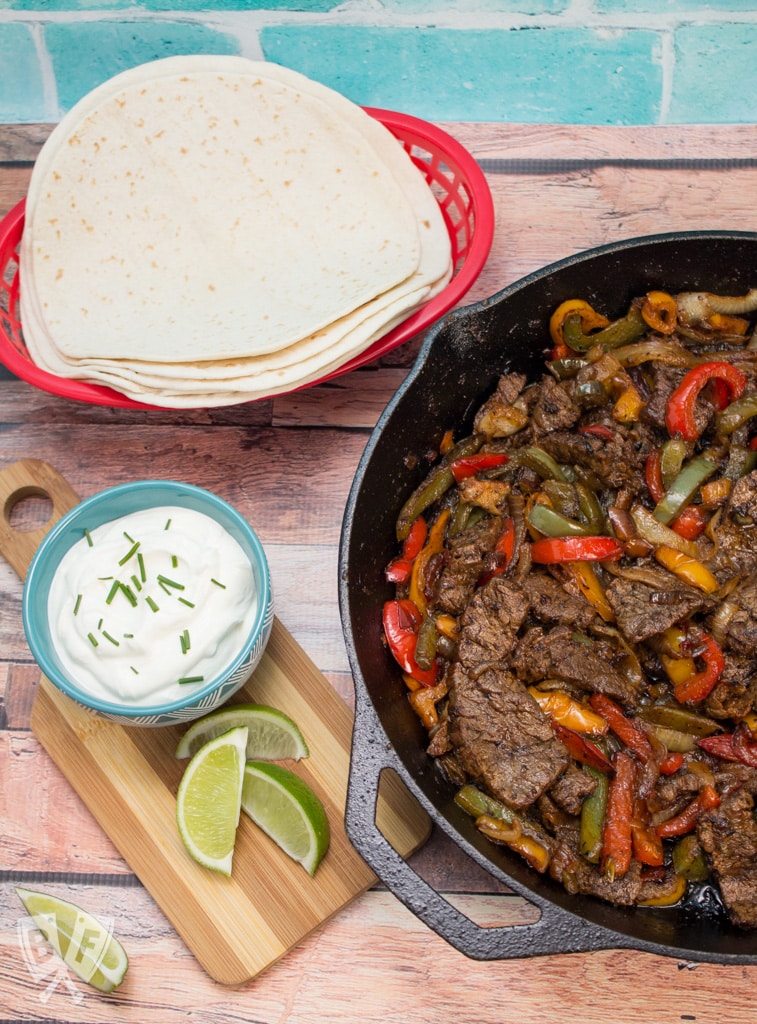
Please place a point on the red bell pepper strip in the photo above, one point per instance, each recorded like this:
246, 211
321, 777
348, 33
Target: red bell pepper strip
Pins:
645, 843
739, 746
581, 749
399, 569
503, 551
469, 465
701, 684
401, 620
679, 416
617, 840
670, 764
553, 550
626, 731
598, 430
684, 822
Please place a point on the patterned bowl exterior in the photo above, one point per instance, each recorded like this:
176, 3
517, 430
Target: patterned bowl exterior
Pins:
122, 500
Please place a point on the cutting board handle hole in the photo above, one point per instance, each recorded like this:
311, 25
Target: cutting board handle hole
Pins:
28, 509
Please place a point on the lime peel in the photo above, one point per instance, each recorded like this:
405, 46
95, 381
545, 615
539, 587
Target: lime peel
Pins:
90, 949
285, 807
271, 735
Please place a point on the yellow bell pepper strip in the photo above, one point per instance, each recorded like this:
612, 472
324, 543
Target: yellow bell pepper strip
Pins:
620, 332
433, 546
581, 749
684, 487
688, 860
567, 711
555, 550
738, 746
615, 858
511, 835
588, 317
628, 405
399, 569
436, 483
588, 583
401, 621
672, 892
701, 684
447, 442
423, 702
686, 568
447, 625
707, 799
715, 492
660, 312
626, 730
500, 821
593, 811
679, 416
469, 465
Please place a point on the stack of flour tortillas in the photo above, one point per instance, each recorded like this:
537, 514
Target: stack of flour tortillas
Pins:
209, 230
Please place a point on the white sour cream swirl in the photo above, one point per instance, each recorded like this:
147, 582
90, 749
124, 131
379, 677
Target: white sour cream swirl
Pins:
147, 600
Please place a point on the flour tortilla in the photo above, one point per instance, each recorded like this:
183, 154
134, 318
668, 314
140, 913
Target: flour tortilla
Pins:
258, 295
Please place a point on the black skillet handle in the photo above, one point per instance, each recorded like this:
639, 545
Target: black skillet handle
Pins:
555, 932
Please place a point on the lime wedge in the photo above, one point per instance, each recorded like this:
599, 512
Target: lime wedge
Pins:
83, 942
209, 798
288, 811
271, 735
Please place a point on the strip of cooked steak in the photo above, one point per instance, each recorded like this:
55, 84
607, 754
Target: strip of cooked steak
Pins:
642, 611
579, 876
571, 789
501, 736
728, 835
554, 408
551, 602
464, 565
490, 623
616, 463
561, 654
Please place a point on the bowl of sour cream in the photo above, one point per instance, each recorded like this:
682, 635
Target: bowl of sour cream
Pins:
149, 603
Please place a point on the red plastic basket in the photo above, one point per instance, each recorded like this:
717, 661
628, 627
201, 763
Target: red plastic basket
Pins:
457, 183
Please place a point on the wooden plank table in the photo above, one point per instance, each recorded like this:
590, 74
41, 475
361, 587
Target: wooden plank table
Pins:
287, 465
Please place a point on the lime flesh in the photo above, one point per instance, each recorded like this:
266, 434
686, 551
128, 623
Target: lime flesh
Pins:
288, 811
84, 943
209, 799
271, 735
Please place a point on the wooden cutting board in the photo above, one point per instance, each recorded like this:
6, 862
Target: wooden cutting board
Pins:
128, 777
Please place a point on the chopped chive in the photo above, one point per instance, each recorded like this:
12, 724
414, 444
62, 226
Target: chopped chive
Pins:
191, 679
106, 578
88, 535
166, 581
152, 604
128, 636
113, 591
137, 584
141, 564
131, 597
78, 602
106, 634
92, 639
185, 641
100, 624
189, 604
134, 670
168, 524
132, 550
129, 538
174, 562
221, 585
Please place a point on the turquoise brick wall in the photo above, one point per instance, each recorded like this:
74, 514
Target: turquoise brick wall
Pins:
620, 62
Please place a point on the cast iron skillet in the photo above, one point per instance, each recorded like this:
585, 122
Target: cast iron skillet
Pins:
458, 366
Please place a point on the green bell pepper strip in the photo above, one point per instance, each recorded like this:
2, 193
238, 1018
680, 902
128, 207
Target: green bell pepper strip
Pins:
627, 329
736, 415
684, 487
593, 811
435, 484
672, 455
688, 860
541, 463
554, 524
673, 716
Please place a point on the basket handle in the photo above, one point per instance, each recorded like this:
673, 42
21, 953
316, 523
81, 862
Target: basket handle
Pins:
556, 931
24, 479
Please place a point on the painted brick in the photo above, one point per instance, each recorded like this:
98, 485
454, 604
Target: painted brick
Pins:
715, 74
21, 87
526, 75
477, 6
85, 54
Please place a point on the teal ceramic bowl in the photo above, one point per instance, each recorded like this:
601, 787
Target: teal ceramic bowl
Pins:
104, 507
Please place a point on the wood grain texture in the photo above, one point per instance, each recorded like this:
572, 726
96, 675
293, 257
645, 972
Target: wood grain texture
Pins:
557, 190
